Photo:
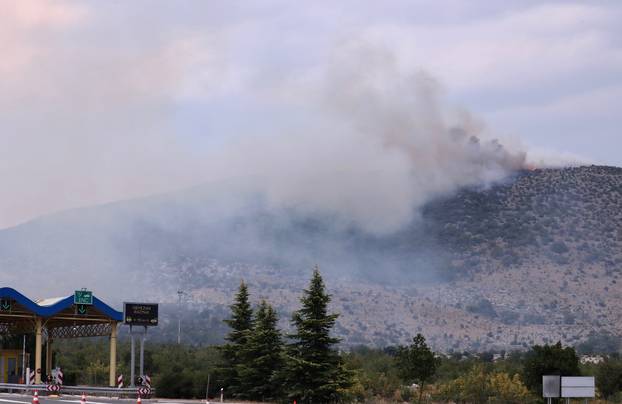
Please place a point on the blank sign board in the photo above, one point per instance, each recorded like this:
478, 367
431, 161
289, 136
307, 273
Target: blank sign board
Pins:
578, 387
551, 386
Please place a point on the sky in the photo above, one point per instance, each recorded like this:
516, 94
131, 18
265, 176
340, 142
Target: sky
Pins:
108, 100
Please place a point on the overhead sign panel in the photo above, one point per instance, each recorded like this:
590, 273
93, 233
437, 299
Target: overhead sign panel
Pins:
84, 297
142, 314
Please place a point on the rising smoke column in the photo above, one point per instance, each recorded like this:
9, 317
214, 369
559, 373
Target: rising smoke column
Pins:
369, 146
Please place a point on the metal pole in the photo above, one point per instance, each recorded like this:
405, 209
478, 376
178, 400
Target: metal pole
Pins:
24, 361
142, 353
179, 294
132, 358
207, 390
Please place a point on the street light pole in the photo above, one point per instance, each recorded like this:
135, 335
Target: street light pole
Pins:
179, 294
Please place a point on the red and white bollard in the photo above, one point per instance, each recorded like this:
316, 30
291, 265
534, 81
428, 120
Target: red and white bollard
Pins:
35, 397
83, 399
120, 381
139, 401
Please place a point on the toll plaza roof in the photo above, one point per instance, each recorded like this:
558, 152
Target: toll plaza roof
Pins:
61, 317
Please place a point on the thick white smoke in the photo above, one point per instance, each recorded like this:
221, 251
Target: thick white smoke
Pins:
369, 145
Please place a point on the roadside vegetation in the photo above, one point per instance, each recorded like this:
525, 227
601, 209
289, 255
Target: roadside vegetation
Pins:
259, 362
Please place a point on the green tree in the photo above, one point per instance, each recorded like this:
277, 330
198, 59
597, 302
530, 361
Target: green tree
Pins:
477, 386
417, 363
314, 371
609, 378
507, 390
241, 324
263, 354
471, 387
548, 360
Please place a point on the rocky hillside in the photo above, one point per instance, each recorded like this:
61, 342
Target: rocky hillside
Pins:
565, 217
534, 259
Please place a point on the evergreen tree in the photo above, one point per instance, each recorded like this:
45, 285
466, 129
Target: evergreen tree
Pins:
241, 323
549, 360
417, 363
264, 357
314, 371
609, 377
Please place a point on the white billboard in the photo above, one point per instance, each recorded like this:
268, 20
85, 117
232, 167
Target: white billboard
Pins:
578, 387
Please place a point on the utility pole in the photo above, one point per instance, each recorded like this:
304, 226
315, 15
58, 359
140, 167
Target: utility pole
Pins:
180, 293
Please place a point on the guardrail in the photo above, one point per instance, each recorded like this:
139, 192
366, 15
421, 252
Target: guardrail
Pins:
78, 390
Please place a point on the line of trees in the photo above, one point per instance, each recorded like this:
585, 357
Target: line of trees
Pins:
259, 363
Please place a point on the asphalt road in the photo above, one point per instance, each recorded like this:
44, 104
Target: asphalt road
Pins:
6, 398
27, 399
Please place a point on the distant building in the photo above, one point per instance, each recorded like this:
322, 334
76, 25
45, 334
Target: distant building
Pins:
591, 359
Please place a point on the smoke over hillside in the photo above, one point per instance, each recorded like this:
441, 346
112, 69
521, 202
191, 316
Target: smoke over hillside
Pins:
354, 137
329, 165
335, 172
368, 146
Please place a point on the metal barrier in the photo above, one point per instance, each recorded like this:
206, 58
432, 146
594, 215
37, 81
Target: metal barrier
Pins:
78, 390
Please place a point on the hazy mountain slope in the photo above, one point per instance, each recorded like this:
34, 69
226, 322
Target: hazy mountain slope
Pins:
565, 216
536, 257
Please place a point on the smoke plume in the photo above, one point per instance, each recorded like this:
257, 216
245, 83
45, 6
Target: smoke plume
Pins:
368, 145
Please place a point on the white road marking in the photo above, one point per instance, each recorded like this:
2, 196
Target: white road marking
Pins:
13, 401
79, 401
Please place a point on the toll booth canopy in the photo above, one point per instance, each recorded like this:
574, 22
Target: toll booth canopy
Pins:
78, 315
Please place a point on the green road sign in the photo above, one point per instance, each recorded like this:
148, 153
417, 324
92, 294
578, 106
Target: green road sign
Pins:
83, 297
82, 309
5, 305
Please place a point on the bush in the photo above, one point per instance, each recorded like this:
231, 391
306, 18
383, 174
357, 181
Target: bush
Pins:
559, 247
483, 307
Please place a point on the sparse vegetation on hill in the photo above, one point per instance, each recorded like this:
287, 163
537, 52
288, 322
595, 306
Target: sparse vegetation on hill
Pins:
532, 260
562, 217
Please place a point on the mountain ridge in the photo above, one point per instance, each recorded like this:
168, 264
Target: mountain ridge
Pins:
534, 258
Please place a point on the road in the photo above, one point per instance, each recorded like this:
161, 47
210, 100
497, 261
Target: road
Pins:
27, 399
6, 398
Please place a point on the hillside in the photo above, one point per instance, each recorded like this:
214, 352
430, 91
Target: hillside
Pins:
533, 259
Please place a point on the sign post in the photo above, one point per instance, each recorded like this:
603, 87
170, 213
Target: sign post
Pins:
132, 358
139, 314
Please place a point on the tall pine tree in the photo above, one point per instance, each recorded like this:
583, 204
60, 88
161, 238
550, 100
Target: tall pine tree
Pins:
264, 357
417, 363
314, 371
241, 324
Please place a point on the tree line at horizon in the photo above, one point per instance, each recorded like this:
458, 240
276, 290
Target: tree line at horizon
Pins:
259, 362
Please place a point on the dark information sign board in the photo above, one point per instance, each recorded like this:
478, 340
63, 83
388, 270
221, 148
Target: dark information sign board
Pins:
142, 314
